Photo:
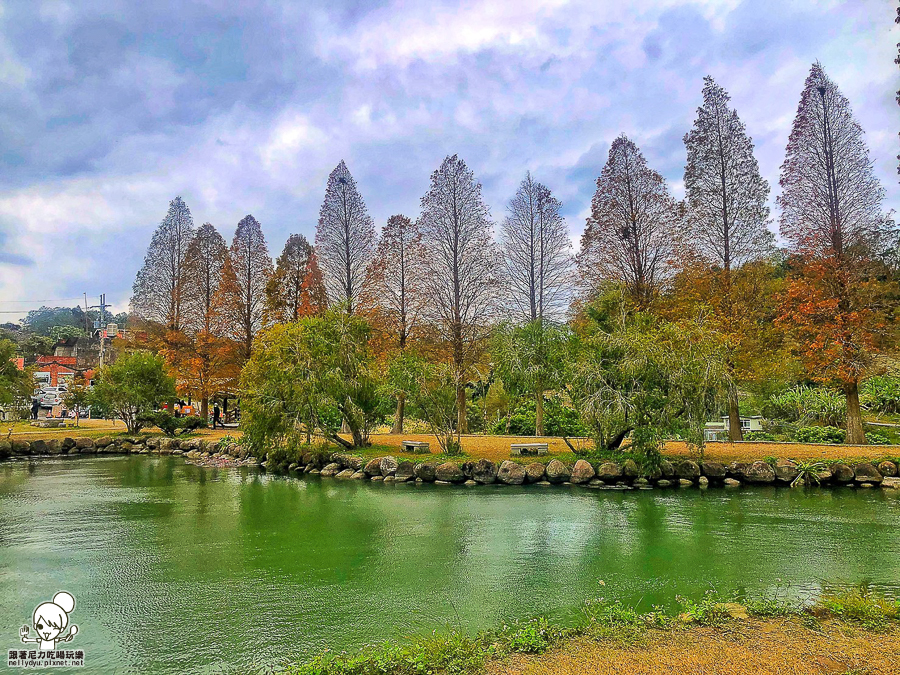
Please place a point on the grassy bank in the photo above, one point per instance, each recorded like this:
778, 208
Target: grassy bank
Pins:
837, 634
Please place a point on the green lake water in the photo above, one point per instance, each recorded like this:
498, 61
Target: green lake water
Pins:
181, 569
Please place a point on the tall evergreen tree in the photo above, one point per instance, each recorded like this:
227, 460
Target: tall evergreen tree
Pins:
345, 238
537, 253
832, 218
242, 293
461, 284
726, 205
629, 236
157, 293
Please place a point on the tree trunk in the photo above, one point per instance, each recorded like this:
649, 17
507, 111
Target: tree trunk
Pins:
398, 416
855, 433
461, 425
734, 416
204, 408
539, 414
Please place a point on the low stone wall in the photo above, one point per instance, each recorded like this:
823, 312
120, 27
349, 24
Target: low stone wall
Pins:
121, 445
608, 475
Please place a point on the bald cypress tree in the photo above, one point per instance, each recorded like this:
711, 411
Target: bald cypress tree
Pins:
831, 205
293, 290
629, 235
345, 239
726, 210
461, 284
537, 253
242, 292
157, 292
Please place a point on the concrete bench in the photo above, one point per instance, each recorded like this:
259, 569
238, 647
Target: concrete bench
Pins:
49, 424
415, 447
520, 449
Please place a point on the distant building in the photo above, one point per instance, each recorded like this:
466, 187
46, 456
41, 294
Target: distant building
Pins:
718, 431
56, 370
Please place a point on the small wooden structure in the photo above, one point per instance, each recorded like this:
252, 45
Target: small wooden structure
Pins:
522, 449
415, 447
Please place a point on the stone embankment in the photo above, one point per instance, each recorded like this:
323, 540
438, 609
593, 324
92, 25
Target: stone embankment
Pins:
607, 474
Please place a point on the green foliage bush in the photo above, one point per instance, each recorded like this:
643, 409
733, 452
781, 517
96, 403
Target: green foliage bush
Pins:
759, 436
559, 420
881, 393
171, 425
807, 405
820, 435
874, 438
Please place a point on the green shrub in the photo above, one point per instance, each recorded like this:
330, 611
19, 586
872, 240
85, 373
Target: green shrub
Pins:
874, 438
559, 420
872, 612
881, 393
807, 405
759, 436
820, 435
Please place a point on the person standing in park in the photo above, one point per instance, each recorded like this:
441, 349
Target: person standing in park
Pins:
216, 414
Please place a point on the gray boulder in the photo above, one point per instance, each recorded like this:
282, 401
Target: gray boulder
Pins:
609, 472
511, 473
103, 441
786, 470
630, 469
534, 472
666, 469
867, 473
887, 468
426, 471
449, 472
891, 482
713, 469
484, 472
346, 473
39, 447
841, 473
373, 468
582, 472
388, 465
85, 443
737, 470
331, 469
760, 472
405, 470
557, 472
688, 469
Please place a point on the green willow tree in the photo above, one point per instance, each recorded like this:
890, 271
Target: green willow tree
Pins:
132, 388
302, 371
531, 359
636, 375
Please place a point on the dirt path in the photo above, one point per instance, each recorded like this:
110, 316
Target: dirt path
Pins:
753, 647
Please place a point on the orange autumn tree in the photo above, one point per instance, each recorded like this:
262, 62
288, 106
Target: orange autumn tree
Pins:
201, 366
832, 217
393, 298
296, 289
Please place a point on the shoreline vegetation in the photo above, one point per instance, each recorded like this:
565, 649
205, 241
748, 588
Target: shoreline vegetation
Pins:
859, 633
591, 471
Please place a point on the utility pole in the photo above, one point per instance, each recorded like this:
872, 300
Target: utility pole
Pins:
102, 307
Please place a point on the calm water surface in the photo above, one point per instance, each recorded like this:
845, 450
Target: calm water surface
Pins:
179, 569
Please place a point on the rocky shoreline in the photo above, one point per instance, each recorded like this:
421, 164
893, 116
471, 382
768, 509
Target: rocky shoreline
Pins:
684, 473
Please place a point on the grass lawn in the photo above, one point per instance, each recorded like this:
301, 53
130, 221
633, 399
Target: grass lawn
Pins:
752, 647
497, 448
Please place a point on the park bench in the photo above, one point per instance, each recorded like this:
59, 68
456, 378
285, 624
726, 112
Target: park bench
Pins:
520, 449
49, 424
415, 447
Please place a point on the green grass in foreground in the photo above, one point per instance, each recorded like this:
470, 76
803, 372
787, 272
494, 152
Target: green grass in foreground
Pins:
458, 654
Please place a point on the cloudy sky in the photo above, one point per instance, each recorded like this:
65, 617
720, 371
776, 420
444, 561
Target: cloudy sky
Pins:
110, 109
